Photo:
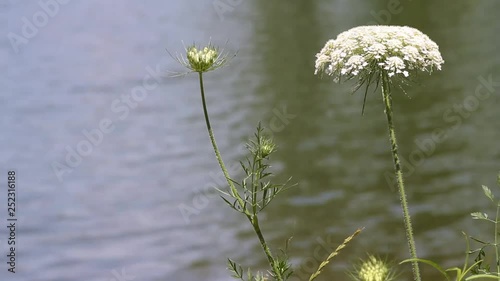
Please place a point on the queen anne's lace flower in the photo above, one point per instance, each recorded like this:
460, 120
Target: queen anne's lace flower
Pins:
369, 50
201, 59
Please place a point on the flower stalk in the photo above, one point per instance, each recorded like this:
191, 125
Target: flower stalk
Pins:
252, 217
201, 61
384, 55
214, 143
386, 95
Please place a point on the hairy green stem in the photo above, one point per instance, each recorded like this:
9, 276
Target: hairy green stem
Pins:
214, 145
496, 239
255, 223
386, 94
251, 217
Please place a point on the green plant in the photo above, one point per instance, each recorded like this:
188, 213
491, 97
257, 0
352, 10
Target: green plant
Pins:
385, 55
254, 193
495, 245
478, 269
248, 202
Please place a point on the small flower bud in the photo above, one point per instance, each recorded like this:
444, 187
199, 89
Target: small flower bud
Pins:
266, 147
201, 60
373, 269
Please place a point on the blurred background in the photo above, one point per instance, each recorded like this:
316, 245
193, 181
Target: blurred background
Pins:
116, 172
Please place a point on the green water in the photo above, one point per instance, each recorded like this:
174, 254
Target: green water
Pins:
121, 207
340, 159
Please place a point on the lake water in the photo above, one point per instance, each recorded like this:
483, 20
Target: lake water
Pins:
113, 212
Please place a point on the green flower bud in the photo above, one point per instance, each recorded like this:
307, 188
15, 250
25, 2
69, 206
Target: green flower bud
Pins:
201, 60
267, 147
373, 269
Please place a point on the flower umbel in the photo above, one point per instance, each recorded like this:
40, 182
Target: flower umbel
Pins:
368, 50
202, 59
373, 269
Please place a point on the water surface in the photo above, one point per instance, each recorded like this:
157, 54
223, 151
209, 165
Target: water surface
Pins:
118, 210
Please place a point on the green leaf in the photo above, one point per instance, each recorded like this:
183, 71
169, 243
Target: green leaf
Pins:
479, 216
431, 263
479, 241
488, 193
233, 205
245, 169
236, 269
477, 263
458, 270
482, 276
249, 275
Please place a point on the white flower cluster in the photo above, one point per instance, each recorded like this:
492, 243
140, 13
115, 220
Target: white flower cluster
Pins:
203, 59
374, 270
397, 50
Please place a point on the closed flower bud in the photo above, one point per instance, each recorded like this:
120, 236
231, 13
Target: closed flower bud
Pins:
373, 269
266, 147
201, 59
